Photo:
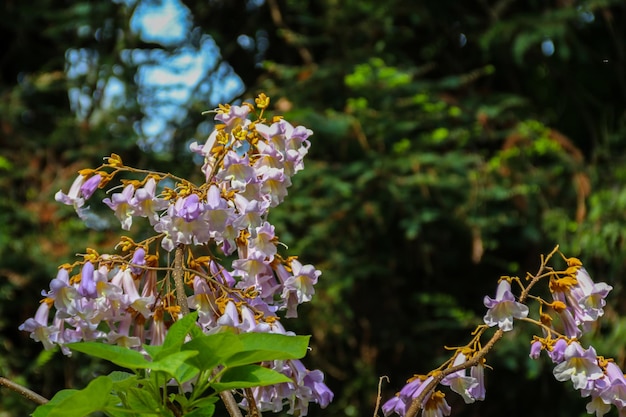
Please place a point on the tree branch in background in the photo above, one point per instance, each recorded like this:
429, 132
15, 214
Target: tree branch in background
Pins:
23, 391
287, 34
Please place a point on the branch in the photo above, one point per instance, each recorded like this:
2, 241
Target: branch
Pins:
230, 403
253, 410
416, 404
23, 391
287, 34
181, 297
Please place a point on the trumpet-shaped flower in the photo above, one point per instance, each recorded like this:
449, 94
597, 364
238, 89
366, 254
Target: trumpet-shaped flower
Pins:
122, 204
503, 309
590, 295
145, 202
615, 391
579, 365
436, 406
460, 383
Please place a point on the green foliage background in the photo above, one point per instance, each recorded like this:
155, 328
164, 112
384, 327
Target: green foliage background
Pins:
448, 150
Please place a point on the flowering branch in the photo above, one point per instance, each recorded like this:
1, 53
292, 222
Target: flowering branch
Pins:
127, 300
577, 301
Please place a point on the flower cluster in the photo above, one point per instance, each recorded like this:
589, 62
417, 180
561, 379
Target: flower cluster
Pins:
128, 299
577, 302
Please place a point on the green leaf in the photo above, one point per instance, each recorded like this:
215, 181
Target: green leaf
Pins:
153, 350
142, 401
248, 376
260, 347
207, 411
176, 335
175, 365
73, 403
205, 401
45, 409
119, 355
213, 349
5, 164
122, 380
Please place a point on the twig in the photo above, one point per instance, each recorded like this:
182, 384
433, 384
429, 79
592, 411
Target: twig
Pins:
23, 391
253, 410
380, 384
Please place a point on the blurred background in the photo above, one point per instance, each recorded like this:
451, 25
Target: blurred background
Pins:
455, 141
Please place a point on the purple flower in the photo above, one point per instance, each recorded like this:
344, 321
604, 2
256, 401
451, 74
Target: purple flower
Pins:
615, 392
584, 299
298, 288
237, 171
590, 295
87, 286
535, 349
274, 184
63, 294
132, 297
233, 115
322, 394
579, 365
557, 352
478, 391
90, 186
395, 405
264, 241
146, 204
436, 406
459, 382
139, 259
251, 267
503, 309
250, 212
73, 197
122, 204
219, 272
189, 208
38, 326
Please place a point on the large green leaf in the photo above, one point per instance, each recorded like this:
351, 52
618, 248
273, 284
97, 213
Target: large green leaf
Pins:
119, 355
176, 335
207, 411
144, 403
73, 403
213, 349
176, 366
260, 347
248, 376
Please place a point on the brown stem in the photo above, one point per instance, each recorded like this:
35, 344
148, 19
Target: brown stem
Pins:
23, 391
230, 403
181, 297
253, 411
